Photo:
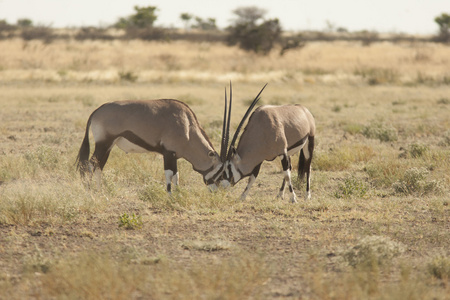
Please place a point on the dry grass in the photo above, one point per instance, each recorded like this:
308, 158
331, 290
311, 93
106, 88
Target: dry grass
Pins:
115, 61
358, 238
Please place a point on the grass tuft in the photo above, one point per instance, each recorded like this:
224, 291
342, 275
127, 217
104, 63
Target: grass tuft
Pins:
130, 222
208, 246
372, 252
351, 187
439, 267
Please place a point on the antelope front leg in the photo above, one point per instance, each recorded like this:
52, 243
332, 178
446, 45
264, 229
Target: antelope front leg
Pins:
251, 180
170, 170
281, 192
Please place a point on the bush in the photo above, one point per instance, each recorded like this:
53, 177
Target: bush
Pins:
351, 187
373, 251
446, 139
127, 76
375, 76
439, 267
381, 131
144, 17
415, 181
251, 36
341, 158
130, 221
43, 33
93, 33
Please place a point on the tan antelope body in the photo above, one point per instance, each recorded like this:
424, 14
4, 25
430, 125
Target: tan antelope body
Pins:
165, 126
271, 132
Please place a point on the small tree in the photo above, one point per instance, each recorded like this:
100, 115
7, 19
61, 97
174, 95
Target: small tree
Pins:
144, 17
251, 32
186, 18
208, 24
443, 22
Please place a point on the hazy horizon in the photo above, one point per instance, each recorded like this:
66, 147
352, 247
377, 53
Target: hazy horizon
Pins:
401, 16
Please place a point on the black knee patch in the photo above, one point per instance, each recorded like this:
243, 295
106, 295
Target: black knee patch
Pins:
286, 163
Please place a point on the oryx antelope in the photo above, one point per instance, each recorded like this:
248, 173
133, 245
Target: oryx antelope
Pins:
165, 126
271, 132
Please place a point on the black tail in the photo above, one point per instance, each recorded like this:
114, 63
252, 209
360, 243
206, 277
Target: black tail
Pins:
304, 163
82, 161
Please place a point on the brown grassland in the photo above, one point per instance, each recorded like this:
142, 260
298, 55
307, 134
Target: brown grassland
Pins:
377, 226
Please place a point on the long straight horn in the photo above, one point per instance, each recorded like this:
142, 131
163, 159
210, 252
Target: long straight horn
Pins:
226, 126
229, 120
247, 113
224, 146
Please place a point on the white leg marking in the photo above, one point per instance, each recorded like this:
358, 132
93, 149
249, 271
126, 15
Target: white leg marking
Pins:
251, 180
169, 175
176, 178
308, 193
287, 176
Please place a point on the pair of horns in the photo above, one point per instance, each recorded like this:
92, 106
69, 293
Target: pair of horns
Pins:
225, 153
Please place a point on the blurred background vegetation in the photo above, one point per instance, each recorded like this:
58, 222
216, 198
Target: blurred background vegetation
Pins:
250, 30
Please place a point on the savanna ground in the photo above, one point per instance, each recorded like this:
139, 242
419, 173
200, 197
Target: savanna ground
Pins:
377, 226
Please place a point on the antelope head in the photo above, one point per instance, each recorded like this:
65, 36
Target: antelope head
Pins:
230, 158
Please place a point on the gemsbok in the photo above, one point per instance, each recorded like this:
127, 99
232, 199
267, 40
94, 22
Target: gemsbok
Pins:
272, 131
165, 126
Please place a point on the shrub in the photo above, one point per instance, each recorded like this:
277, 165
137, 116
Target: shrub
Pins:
127, 76
414, 150
43, 33
439, 267
353, 128
144, 17
373, 251
384, 172
351, 187
381, 131
417, 150
341, 158
93, 33
415, 181
375, 76
446, 139
251, 33
130, 222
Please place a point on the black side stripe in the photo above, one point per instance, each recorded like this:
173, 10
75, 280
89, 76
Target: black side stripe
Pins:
299, 143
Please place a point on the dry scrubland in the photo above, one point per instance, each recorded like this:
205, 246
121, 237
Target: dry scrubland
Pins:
377, 226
